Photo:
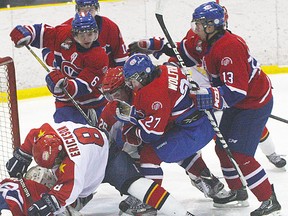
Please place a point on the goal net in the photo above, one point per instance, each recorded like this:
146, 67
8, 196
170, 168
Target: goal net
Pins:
9, 122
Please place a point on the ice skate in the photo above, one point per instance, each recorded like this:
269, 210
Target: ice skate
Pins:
208, 184
268, 207
134, 206
276, 160
233, 198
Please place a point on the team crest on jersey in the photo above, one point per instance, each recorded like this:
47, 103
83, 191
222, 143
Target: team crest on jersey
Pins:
66, 44
226, 61
156, 105
70, 69
199, 46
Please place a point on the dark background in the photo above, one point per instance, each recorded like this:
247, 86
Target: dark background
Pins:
14, 3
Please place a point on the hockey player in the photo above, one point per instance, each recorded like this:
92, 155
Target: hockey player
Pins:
114, 88
244, 93
72, 151
167, 113
80, 64
211, 33
110, 37
37, 180
78, 155
266, 144
13, 199
183, 122
157, 47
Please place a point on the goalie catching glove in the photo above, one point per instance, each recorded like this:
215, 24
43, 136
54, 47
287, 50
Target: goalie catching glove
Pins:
127, 113
208, 98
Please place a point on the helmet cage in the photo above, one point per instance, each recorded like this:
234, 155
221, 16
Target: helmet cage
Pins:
138, 67
141, 77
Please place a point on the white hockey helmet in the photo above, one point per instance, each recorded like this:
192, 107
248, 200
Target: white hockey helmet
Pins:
41, 175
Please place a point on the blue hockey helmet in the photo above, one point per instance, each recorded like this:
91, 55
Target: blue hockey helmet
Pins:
209, 13
138, 67
84, 23
84, 3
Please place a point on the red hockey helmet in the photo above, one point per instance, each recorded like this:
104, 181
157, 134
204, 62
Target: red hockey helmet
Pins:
46, 150
113, 80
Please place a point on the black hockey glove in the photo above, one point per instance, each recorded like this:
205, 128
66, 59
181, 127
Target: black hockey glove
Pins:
45, 206
18, 163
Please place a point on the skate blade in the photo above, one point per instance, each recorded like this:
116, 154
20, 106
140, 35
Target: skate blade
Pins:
234, 204
276, 213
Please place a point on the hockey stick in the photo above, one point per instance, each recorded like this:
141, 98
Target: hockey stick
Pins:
160, 20
278, 118
63, 89
25, 189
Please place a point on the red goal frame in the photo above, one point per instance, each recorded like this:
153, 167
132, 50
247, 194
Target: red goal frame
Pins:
9, 119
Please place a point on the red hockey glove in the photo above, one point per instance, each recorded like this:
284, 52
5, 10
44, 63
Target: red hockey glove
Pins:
56, 81
21, 36
146, 46
129, 135
208, 98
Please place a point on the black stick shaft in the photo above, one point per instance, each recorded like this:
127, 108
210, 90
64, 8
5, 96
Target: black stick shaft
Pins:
279, 118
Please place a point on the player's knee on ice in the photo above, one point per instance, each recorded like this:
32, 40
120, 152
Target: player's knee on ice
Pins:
121, 171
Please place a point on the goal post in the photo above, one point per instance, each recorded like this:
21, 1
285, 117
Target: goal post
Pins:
9, 120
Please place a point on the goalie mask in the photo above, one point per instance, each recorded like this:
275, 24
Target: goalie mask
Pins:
140, 68
48, 151
41, 175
